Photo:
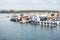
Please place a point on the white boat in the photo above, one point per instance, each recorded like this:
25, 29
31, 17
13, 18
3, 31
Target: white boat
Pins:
37, 20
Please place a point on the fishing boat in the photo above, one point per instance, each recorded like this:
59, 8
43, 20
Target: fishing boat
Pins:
42, 20
35, 19
24, 19
14, 17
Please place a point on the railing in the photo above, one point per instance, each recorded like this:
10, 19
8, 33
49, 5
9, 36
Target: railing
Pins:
47, 23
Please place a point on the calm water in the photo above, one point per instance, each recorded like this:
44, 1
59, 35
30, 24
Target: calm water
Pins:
16, 31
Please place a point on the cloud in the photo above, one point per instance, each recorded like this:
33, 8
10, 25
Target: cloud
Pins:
28, 1
30, 4
37, 1
55, 1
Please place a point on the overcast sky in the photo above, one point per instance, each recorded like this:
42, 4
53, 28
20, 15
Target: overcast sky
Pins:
30, 4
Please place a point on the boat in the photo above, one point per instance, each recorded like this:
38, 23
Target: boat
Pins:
42, 20
24, 19
14, 18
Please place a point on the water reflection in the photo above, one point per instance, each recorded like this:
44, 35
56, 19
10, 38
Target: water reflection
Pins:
38, 27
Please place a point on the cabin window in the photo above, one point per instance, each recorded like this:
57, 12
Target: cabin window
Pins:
43, 19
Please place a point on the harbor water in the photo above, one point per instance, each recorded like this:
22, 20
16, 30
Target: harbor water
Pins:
17, 31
